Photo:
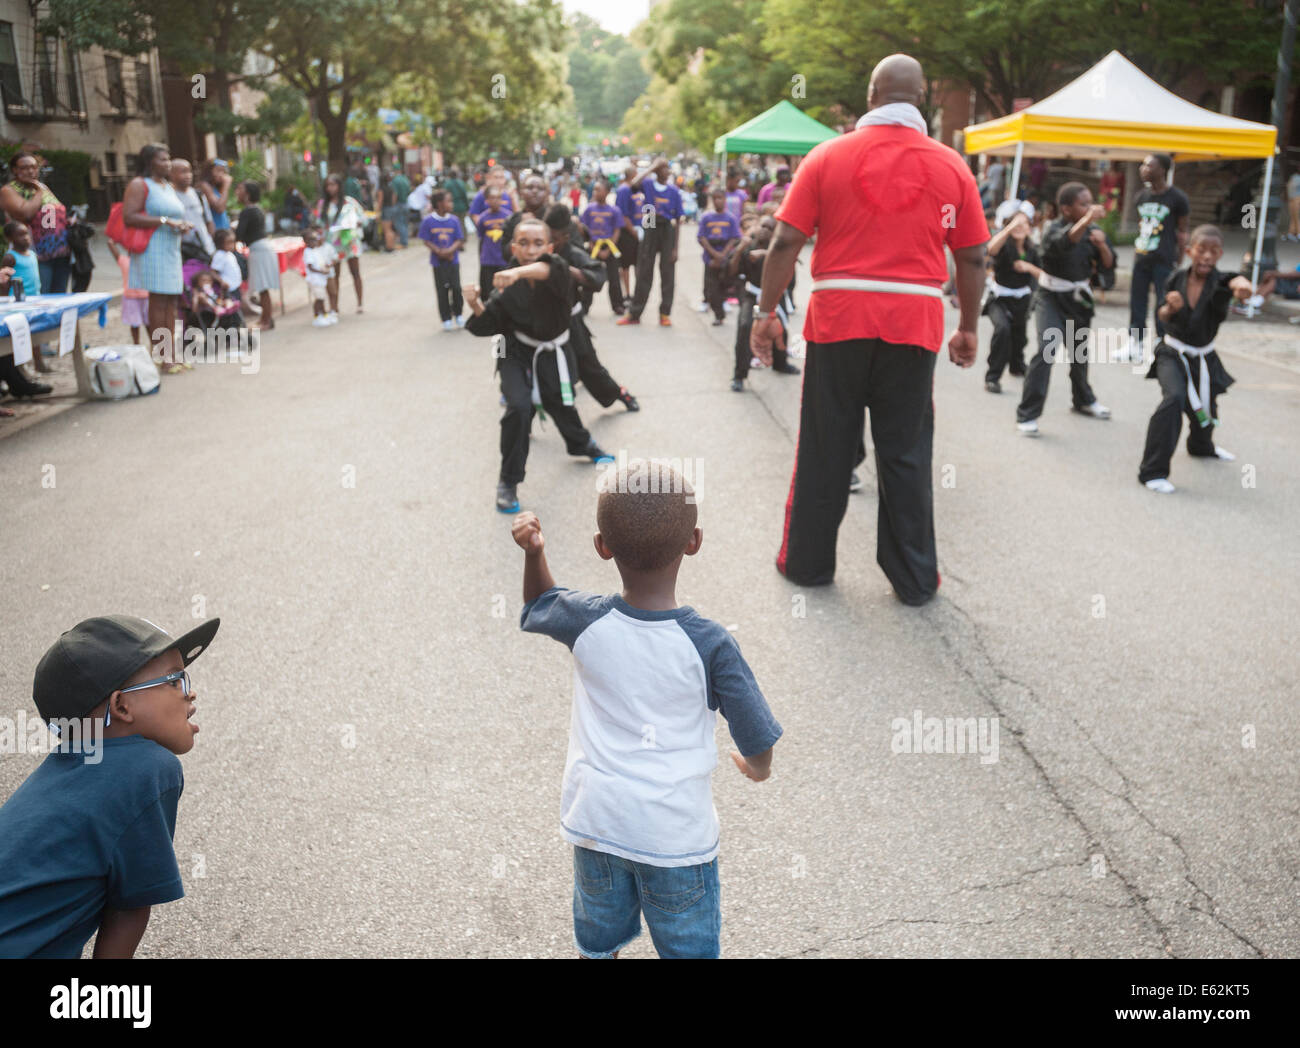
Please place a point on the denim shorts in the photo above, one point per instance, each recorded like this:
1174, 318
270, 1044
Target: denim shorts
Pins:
682, 906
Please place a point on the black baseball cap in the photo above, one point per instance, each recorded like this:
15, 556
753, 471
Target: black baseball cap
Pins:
96, 657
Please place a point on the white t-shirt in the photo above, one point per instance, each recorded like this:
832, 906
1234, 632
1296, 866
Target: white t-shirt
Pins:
419, 198
226, 267
646, 689
322, 257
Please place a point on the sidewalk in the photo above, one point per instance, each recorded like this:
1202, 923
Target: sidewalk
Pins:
107, 279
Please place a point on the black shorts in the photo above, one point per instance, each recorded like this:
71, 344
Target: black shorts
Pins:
627, 245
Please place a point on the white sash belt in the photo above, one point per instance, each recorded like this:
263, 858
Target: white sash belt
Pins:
1001, 291
891, 287
1198, 391
1061, 285
555, 345
577, 308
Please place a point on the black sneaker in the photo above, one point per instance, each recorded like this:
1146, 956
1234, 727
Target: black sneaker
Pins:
737, 385
719, 321
855, 482
786, 369
992, 385
507, 500
601, 458
628, 400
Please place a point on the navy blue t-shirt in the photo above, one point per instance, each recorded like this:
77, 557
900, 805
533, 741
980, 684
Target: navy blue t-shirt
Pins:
77, 837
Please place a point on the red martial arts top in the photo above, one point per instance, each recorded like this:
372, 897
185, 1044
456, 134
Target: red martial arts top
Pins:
883, 201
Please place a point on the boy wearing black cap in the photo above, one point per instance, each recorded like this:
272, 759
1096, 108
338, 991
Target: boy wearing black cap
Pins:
86, 846
649, 676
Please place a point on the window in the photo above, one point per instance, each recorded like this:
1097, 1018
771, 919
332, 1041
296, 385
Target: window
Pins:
73, 75
116, 89
110, 163
143, 86
11, 84
46, 58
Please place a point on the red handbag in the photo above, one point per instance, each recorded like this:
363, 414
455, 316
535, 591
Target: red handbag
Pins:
133, 238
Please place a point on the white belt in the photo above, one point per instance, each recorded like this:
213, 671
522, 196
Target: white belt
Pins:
1001, 291
757, 292
576, 310
890, 287
1198, 392
561, 363
1061, 285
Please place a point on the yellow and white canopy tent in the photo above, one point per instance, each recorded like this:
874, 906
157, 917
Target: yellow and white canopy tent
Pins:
1115, 111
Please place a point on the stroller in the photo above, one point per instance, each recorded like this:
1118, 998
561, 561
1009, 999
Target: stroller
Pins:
224, 318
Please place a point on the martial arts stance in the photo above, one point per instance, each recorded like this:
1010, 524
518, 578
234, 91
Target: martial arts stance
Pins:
1191, 376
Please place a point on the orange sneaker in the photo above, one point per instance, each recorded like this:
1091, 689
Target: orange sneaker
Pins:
665, 320
629, 319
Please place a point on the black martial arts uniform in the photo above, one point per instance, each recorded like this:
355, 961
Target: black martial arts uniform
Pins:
1193, 326
1068, 260
1010, 312
539, 311
591, 372
750, 281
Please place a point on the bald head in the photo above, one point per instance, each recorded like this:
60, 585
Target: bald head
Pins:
897, 78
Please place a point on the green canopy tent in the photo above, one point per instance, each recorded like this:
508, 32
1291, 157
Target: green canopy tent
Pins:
784, 129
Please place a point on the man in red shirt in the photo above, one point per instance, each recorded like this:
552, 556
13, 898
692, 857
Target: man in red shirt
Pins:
883, 201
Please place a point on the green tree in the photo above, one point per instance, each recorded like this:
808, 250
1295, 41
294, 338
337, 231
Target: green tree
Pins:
605, 72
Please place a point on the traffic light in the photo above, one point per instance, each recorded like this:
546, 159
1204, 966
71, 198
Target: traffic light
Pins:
550, 132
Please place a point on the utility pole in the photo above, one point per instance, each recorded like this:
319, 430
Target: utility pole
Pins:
1281, 90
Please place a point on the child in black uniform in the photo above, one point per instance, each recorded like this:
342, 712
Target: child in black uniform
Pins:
530, 307
747, 262
1191, 376
588, 278
1014, 260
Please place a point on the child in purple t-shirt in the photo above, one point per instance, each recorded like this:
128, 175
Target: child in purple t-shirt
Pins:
602, 221
491, 226
719, 235
445, 236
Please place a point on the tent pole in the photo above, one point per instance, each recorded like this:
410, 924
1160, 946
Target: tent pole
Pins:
1013, 187
1259, 235
1172, 165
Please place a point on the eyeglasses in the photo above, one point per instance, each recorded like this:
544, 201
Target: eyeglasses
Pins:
180, 675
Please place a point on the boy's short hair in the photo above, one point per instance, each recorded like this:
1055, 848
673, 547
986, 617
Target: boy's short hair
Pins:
646, 513
1164, 160
13, 227
529, 219
222, 235
253, 191
438, 194
558, 216
1205, 232
7, 259
1069, 193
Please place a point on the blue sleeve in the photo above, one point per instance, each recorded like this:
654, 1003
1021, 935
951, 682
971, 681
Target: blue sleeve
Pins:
733, 692
143, 870
426, 231
563, 614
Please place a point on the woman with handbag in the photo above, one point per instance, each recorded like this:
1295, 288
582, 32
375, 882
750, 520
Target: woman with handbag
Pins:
154, 214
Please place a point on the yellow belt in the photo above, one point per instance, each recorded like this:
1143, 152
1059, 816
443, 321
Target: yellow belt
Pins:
605, 242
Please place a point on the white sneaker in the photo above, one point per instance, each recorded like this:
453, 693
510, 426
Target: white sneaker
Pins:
1224, 455
1161, 485
320, 320
1094, 410
460, 322
1028, 429
333, 318
447, 325
703, 307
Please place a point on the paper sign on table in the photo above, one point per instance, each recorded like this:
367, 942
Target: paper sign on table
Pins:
67, 332
21, 336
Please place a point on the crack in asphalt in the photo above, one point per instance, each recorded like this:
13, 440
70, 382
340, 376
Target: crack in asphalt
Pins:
1141, 900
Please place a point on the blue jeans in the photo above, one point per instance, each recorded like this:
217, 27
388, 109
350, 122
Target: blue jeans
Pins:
54, 275
682, 906
1149, 271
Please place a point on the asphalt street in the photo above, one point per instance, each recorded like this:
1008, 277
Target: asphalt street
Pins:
378, 770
